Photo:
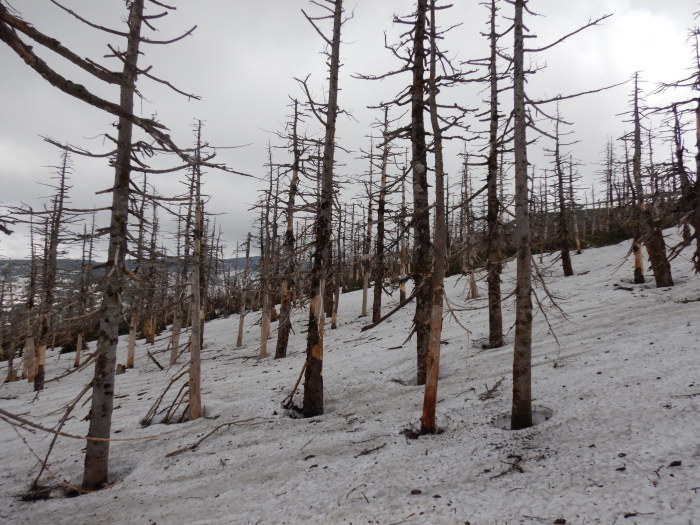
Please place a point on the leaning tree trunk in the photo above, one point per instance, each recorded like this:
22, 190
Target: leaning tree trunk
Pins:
95, 474
521, 414
313, 376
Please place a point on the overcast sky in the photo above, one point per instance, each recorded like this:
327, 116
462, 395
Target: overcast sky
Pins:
242, 61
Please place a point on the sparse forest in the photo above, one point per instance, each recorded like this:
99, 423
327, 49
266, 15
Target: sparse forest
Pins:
409, 326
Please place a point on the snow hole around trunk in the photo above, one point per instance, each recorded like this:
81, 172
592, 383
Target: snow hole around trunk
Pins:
539, 416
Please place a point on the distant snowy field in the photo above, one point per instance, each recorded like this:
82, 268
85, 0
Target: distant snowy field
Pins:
623, 388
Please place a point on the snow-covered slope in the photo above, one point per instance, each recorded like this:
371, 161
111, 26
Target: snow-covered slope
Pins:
622, 443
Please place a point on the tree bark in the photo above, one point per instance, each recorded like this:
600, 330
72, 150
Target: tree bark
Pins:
95, 473
428, 423
286, 294
521, 414
313, 376
494, 250
422, 253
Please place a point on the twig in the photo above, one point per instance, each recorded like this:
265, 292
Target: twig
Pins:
287, 401
194, 445
154, 360
370, 450
491, 392
392, 312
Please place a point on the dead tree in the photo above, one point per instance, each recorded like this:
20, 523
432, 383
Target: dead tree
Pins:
379, 270
288, 255
367, 245
648, 231
244, 293
313, 375
422, 252
194, 410
564, 235
521, 415
428, 423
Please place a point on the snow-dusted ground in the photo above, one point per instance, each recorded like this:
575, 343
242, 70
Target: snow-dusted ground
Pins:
623, 389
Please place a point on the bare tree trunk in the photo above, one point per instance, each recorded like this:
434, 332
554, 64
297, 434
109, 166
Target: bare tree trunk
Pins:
494, 250
313, 376
79, 346
649, 233
428, 424
521, 415
366, 256
379, 241
195, 370
572, 203
422, 264
288, 284
403, 254
95, 473
244, 292
564, 240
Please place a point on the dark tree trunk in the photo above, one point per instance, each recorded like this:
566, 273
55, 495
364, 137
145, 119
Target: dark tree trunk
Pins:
286, 295
379, 241
422, 252
494, 250
313, 376
521, 415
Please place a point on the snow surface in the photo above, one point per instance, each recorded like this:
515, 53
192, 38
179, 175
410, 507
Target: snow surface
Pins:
622, 393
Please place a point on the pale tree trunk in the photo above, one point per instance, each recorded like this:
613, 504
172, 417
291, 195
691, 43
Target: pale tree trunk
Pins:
428, 423
521, 414
422, 267
78, 349
313, 375
95, 473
